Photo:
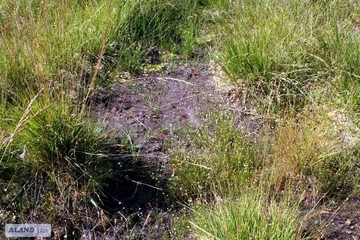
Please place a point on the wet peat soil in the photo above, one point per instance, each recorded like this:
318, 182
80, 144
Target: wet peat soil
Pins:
340, 221
147, 113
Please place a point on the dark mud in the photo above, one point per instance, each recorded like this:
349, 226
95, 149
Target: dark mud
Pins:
146, 113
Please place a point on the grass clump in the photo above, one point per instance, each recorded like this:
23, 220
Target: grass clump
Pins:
338, 176
235, 187
226, 184
315, 153
53, 165
169, 25
43, 43
291, 50
251, 216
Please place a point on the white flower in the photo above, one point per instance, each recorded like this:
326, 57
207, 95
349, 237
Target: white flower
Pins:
22, 156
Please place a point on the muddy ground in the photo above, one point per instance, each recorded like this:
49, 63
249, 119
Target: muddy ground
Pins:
340, 221
147, 112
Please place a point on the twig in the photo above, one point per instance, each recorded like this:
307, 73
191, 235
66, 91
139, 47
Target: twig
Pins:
198, 165
196, 226
164, 79
146, 221
145, 184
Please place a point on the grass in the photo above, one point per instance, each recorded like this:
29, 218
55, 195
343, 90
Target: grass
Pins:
57, 46
297, 62
298, 65
250, 217
53, 161
222, 161
292, 50
54, 55
236, 186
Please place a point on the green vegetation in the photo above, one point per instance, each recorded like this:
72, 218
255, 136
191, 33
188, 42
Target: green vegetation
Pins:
296, 61
284, 50
251, 216
221, 161
54, 159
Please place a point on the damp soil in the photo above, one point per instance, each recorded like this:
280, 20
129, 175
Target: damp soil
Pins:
147, 113
339, 220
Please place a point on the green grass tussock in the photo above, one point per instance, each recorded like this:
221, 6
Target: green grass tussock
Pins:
283, 49
43, 42
170, 25
52, 160
252, 216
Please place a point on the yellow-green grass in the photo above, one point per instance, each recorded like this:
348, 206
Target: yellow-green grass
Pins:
285, 48
53, 57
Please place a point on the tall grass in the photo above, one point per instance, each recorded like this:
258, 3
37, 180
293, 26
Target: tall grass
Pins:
44, 43
299, 60
252, 216
282, 48
315, 151
52, 164
53, 57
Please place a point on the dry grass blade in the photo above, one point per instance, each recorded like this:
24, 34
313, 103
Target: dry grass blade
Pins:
163, 79
203, 230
